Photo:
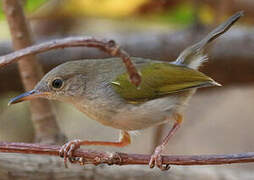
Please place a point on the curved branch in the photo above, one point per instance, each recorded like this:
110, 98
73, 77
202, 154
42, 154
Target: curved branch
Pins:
108, 46
100, 157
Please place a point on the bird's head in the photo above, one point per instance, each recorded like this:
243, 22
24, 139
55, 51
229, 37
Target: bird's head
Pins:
66, 82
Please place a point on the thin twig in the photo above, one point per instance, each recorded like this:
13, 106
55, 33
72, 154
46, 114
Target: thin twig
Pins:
108, 46
100, 157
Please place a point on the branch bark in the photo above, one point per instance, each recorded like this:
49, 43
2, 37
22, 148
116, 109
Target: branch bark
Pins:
108, 46
100, 157
44, 121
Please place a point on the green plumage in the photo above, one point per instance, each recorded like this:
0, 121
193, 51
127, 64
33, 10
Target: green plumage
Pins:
160, 79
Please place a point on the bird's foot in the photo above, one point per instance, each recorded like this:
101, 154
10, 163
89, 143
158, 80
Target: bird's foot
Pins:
156, 160
68, 149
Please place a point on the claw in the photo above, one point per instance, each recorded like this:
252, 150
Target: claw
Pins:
166, 167
152, 162
67, 151
156, 160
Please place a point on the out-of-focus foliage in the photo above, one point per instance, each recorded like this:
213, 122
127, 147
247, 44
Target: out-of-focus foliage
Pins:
111, 8
29, 6
32, 5
95, 8
182, 14
206, 14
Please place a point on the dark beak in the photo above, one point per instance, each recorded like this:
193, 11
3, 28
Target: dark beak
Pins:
26, 96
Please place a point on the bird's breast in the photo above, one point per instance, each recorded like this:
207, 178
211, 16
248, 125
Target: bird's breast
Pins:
147, 114
128, 116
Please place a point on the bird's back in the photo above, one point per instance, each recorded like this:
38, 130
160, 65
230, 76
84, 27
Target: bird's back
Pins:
158, 78
106, 105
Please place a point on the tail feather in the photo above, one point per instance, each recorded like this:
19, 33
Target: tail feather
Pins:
193, 56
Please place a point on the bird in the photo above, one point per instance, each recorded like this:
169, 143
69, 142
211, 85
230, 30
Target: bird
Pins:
101, 89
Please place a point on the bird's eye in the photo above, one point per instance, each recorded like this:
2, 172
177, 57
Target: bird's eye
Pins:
57, 83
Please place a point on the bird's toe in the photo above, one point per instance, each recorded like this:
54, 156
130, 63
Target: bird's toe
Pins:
67, 151
156, 160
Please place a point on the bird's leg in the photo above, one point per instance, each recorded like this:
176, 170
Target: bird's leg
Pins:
156, 158
67, 149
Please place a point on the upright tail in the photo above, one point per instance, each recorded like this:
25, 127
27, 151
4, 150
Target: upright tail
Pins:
193, 56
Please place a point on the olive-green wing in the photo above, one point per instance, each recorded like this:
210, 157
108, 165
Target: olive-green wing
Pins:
160, 79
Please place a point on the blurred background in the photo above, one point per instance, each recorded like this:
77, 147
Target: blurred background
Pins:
217, 120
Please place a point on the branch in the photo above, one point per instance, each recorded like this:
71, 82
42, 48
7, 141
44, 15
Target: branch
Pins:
100, 157
108, 46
